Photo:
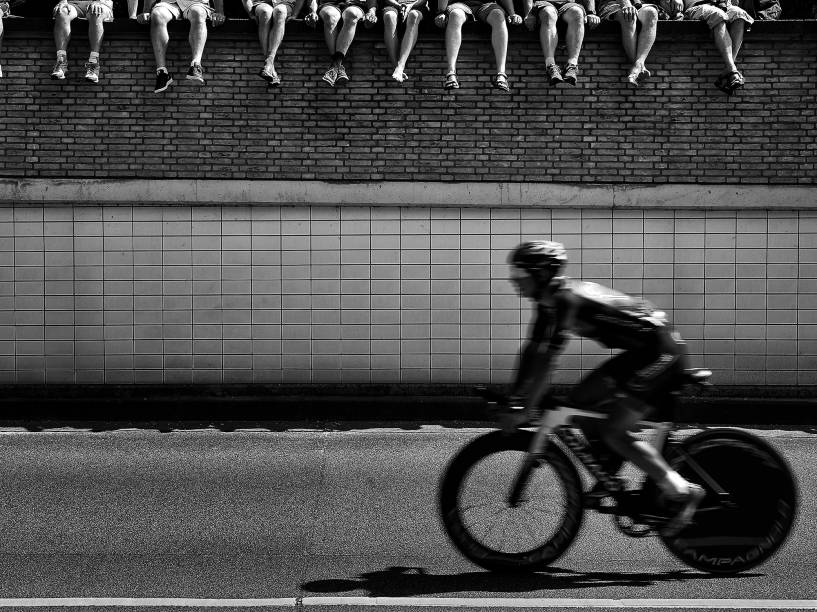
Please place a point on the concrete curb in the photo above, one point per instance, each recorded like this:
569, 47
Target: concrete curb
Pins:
352, 403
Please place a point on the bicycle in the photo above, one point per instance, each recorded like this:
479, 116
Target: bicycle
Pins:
535, 502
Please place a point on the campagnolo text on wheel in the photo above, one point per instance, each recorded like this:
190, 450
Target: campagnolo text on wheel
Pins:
722, 500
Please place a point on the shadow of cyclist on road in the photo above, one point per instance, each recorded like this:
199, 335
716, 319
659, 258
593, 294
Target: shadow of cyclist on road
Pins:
413, 581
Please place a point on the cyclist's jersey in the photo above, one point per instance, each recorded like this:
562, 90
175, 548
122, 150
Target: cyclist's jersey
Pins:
614, 319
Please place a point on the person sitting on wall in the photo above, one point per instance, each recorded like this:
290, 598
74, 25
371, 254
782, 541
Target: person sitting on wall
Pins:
410, 12
340, 19
452, 16
630, 14
197, 12
96, 12
728, 23
4, 12
271, 17
574, 14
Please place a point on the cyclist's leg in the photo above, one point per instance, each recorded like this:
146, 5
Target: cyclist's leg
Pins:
622, 386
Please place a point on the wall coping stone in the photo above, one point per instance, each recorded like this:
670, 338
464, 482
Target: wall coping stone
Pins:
404, 193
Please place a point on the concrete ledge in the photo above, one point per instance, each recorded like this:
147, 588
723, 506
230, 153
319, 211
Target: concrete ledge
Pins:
404, 193
379, 403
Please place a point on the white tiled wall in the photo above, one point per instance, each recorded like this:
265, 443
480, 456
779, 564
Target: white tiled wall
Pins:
145, 294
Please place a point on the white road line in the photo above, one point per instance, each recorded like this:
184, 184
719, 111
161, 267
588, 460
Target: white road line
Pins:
416, 602
143, 602
545, 603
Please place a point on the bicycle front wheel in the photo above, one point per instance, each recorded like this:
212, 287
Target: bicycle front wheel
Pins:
502, 521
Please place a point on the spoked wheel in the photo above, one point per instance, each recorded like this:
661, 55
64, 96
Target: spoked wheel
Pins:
504, 513
750, 503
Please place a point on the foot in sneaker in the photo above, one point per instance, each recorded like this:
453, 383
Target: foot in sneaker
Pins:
331, 76
571, 73
684, 509
195, 74
554, 74
60, 68
92, 72
342, 76
163, 81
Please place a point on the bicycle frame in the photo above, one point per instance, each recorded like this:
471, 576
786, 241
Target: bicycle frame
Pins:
554, 422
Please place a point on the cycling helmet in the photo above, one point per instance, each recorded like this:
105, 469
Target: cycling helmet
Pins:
539, 256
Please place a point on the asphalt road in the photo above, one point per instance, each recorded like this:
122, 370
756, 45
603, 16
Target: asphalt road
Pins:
304, 514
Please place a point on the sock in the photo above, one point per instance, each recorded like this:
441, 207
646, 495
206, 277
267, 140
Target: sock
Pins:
161, 69
62, 56
93, 58
194, 62
674, 485
337, 57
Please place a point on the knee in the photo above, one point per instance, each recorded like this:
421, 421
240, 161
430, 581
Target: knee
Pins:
390, 20
496, 18
330, 18
196, 15
574, 16
280, 13
456, 18
160, 18
648, 15
64, 14
414, 17
548, 17
263, 13
351, 16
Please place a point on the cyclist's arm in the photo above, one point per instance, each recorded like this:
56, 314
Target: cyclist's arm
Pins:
537, 355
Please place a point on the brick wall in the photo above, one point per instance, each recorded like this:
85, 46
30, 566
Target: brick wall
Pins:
677, 129
181, 294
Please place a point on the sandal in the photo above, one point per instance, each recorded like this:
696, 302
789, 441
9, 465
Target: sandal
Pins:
451, 81
500, 81
636, 77
729, 82
268, 76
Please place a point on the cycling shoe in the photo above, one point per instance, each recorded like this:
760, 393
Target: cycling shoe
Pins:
683, 510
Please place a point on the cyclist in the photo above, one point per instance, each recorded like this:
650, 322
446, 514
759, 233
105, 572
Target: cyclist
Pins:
626, 386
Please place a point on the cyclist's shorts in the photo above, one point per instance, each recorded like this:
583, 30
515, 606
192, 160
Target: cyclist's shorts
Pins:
649, 374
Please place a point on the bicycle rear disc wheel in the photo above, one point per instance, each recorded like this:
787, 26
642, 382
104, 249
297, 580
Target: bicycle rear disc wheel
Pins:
762, 496
497, 535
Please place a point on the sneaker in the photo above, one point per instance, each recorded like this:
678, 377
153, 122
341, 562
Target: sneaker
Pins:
554, 74
92, 72
331, 76
195, 74
163, 81
342, 76
60, 68
684, 510
571, 74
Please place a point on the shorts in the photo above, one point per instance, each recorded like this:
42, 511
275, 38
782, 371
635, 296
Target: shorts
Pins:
341, 5
650, 374
391, 8
180, 9
83, 8
609, 9
561, 6
475, 9
713, 16
290, 4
